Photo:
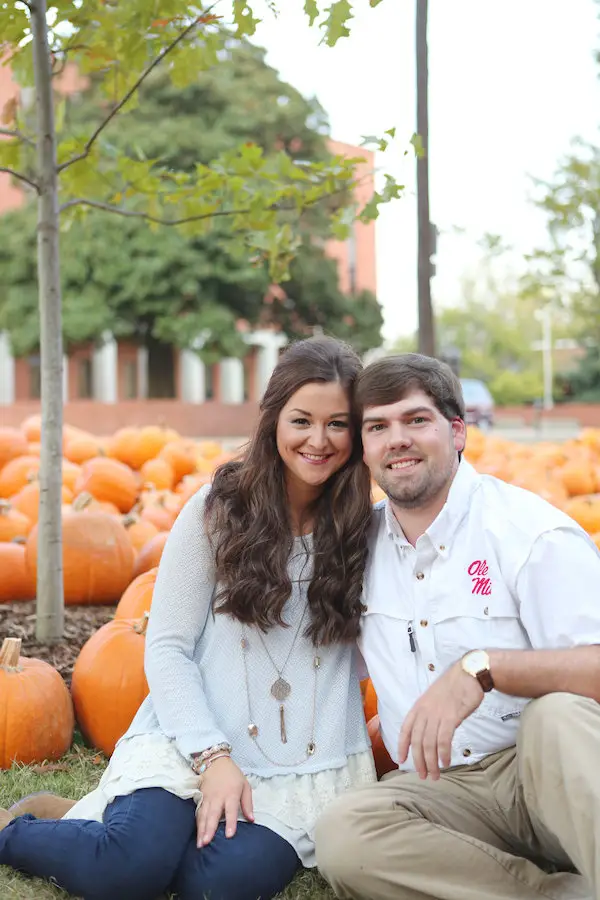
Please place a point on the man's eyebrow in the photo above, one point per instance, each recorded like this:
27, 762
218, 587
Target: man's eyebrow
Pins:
407, 412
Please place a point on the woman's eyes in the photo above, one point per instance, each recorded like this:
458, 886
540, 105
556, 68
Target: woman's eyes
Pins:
335, 423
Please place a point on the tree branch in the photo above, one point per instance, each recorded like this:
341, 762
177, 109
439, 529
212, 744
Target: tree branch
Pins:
6, 132
21, 177
125, 99
132, 214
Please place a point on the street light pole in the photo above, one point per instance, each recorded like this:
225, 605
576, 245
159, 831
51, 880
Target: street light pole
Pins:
547, 356
425, 233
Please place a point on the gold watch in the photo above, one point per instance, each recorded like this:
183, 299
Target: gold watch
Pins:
477, 664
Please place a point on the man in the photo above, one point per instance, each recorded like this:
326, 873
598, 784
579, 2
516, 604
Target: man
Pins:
481, 636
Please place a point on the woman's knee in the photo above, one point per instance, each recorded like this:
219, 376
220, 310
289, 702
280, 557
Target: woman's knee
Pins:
228, 868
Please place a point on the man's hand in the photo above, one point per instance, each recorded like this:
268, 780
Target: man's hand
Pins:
225, 789
430, 725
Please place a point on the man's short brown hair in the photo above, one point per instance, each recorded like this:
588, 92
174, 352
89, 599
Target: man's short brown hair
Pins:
390, 379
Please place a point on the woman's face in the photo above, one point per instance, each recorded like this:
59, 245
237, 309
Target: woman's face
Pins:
314, 437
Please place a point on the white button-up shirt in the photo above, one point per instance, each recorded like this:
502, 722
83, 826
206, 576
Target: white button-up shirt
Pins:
499, 568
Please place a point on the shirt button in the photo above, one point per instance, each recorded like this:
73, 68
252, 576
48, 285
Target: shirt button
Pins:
424, 623
431, 667
420, 576
466, 752
442, 547
486, 611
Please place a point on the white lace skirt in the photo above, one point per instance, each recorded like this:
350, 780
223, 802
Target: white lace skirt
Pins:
287, 804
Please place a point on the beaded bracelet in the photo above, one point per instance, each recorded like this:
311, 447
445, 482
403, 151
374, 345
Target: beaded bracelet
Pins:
200, 759
205, 765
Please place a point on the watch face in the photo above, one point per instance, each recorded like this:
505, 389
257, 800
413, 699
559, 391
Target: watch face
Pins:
476, 661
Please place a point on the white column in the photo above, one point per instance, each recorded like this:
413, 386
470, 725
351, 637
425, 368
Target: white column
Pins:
232, 380
268, 344
193, 377
105, 369
7, 371
142, 373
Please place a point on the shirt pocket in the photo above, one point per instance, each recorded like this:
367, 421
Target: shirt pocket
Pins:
471, 622
481, 623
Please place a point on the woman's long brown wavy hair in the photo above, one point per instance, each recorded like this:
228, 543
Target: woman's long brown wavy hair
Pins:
247, 511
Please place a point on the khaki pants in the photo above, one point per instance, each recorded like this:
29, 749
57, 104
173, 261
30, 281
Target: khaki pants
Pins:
520, 824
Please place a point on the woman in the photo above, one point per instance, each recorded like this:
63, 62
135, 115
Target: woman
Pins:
254, 719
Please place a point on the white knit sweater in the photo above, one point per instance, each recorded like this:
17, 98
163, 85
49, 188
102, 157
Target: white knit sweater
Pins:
195, 668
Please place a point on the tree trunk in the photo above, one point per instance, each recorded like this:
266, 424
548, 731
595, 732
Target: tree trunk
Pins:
426, 325
50, 600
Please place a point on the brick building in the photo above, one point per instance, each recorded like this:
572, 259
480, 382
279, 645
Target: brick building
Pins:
113, 383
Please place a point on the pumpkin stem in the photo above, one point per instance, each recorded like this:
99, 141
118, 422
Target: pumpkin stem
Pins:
5, 507
10, 653
141, 625
130, 519
82, 501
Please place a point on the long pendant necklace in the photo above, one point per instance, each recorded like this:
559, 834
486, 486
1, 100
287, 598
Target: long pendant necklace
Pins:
280, 690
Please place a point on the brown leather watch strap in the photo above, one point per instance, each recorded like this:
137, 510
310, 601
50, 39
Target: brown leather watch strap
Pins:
485, 680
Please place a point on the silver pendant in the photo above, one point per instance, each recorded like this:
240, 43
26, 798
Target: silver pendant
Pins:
280, 689
252, 730
311, 748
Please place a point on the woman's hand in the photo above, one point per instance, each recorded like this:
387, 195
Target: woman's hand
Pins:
225, 789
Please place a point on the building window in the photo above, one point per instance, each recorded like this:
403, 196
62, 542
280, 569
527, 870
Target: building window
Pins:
35, 378
130, 378
85, 385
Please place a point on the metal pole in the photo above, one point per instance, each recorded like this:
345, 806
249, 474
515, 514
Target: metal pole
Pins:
547, 356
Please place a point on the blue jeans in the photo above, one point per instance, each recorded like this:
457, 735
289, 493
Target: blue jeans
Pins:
146, 846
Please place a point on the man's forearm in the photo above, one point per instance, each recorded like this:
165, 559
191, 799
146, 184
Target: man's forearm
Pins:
534, 673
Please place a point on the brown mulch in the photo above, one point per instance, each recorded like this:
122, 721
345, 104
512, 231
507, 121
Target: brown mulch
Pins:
18, 620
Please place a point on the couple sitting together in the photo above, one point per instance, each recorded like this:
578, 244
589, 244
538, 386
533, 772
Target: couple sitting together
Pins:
476, 608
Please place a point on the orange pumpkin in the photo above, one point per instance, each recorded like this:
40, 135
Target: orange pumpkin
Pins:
97, 557
161, 509
70, 474
210, 449
189, 485
32, 428
150, 554
124, 446
383, 761
83, 448
13, 522
585, 511
139, 530
596, 539
36, 712
13, 443
137, 599
181, 456
109, 684
17, 473
16, 581
159, 473
370, 701
578, 478
109, 480
86, 503
27, 501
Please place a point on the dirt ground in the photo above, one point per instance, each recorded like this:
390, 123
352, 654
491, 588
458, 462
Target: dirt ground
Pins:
18, 620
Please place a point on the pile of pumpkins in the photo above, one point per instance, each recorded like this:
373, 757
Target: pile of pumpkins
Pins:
121, 496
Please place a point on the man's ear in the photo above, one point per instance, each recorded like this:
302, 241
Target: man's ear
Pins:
459, 433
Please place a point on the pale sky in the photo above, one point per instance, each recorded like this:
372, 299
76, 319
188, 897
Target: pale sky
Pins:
511, 83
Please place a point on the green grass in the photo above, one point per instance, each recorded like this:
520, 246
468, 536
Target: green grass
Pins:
77, 775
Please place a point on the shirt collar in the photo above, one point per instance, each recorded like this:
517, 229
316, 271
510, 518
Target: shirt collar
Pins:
442, 529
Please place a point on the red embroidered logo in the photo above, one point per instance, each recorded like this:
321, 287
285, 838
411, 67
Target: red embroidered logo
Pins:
481, 583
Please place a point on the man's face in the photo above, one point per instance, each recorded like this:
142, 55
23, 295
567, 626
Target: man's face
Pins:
411, 449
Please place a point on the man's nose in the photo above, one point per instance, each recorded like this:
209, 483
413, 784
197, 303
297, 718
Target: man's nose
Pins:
398, 436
